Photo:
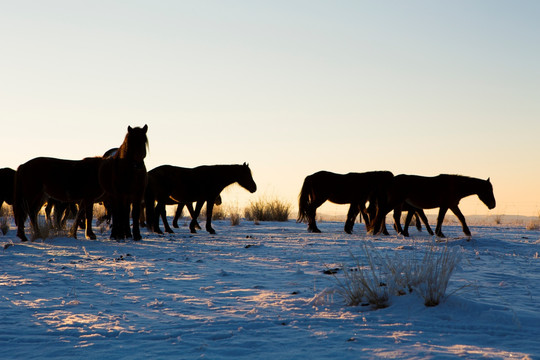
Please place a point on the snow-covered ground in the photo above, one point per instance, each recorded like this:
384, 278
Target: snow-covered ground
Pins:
258, 292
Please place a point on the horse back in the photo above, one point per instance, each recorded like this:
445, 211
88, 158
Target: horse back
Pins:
186, 184
426, 192
7, 184
65, 180
347, 188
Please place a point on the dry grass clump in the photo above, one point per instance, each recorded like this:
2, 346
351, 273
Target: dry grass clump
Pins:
379, 277
267, 210
365, 283
5, 216
436, 269
45, 230
534, 224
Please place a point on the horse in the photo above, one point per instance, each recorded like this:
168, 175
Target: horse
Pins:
352, 188
63, 180
188, 185
123, 178
443, 191
180, 207
7, 183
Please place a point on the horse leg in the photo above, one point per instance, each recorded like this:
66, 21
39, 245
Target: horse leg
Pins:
75, 225
177, 215
157, 214
125, 225
397, 221
191, 212
461, 218
118, 220
408, 219
311, 214
163, 214
136, 214
21, 214
351, 216
209, 208
193, 224
420, 213
440, 219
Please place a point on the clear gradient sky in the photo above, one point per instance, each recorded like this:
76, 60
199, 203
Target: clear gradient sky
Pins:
292, 87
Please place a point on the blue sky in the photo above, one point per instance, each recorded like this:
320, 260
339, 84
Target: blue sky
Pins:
292, 87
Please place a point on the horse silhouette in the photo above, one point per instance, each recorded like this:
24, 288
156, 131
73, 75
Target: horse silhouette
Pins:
442, 191
63, 180
355, 189
187, 185
123, 178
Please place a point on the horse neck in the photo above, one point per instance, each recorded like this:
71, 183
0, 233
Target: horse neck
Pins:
469, 186
227, 174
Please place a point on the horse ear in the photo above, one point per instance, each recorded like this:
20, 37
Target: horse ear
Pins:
129, 128
246, 164
488, 180
145, 128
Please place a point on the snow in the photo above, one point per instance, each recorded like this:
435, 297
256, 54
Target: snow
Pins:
260, 291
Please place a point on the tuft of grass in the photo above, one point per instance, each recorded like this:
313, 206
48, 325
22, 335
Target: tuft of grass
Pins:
5, 216
379, 277
437, 267
45, 230
365, 283
234, 215
267, 210
534, 224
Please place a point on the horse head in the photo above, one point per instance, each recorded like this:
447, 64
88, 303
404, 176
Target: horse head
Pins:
246, 179
136, 143
486, 194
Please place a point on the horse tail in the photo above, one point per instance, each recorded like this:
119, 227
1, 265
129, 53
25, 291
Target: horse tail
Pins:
305, 199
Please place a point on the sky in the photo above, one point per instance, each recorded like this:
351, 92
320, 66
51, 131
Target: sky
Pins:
291, 87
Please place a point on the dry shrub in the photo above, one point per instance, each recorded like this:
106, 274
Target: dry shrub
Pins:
365, 283
379, 277
5, 216
235, 219
534, 224
234, 215
267, 210
437, 267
